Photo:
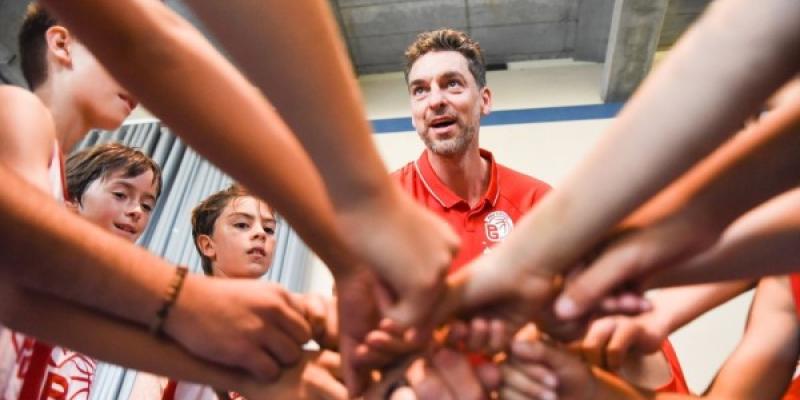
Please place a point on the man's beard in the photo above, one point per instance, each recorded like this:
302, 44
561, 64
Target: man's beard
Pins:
450, 147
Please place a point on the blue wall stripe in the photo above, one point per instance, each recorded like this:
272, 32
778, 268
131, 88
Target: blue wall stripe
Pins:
520, 116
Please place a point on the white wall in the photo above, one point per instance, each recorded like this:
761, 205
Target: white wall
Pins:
546, 151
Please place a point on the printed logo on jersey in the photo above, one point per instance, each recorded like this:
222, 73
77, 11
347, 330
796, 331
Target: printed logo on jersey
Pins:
497, 225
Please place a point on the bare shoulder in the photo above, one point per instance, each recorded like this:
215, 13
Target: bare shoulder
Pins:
27, 131
20, 105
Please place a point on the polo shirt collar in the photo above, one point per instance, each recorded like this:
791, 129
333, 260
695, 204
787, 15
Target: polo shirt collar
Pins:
442, 193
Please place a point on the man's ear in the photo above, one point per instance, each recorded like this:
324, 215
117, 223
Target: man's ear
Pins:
59, 43
207, 246
486, 100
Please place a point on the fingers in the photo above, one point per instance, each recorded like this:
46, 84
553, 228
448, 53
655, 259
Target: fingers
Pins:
620, 345
281, 346
331, 362
262, 366
478, 334
415, 307
432, 387
607, 272
283, 315
456, 371
630, 303
355, 377
595, 342
320, 384
534, 383
499, 336
316, 313
489, 375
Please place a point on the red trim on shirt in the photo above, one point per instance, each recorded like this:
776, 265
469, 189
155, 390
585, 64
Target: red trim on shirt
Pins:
34, 376
793, 392
677, 383
169, 391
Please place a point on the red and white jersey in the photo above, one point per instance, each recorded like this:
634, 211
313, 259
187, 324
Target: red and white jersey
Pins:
194, 391
509, 195
34, 370
793, 393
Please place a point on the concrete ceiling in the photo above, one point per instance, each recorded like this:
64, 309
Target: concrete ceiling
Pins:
378, 31
623, 34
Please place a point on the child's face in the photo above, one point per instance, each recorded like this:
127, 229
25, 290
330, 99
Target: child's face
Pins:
243, 239
102, 101
121, 205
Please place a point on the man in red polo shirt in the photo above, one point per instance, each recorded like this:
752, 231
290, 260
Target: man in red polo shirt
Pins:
454, 177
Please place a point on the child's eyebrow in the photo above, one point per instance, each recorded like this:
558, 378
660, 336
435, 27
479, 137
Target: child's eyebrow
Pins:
129, 186
238, 214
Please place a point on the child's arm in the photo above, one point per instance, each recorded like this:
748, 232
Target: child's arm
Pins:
612, 340
763, 363
95, 334
218, 112
762, 242
49, 249
756, 165
682, 112
683, 220
119, 342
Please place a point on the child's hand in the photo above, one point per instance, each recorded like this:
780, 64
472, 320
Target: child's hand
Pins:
321, 315
386, 345
408, 248
610, 340
315, 377
242, 323
535, 370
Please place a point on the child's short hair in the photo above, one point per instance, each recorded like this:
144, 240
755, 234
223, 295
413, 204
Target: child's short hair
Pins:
33, 45
100, 161
205, 215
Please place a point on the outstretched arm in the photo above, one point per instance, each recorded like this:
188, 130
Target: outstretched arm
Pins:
695, 100
249, 325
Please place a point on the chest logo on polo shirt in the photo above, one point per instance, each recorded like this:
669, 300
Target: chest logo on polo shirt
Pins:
497, 225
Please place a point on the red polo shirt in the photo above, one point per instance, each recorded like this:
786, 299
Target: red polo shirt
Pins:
510, 195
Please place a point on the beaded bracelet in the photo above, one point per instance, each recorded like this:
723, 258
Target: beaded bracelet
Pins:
170, 296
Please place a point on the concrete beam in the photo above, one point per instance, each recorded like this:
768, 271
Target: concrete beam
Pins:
633, 39
591, 33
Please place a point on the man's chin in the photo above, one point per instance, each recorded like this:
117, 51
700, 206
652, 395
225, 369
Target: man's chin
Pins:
446, 148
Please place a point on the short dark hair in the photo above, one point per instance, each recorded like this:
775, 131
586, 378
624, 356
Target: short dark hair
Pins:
33, 44
205, 216
100, 161
448, 40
